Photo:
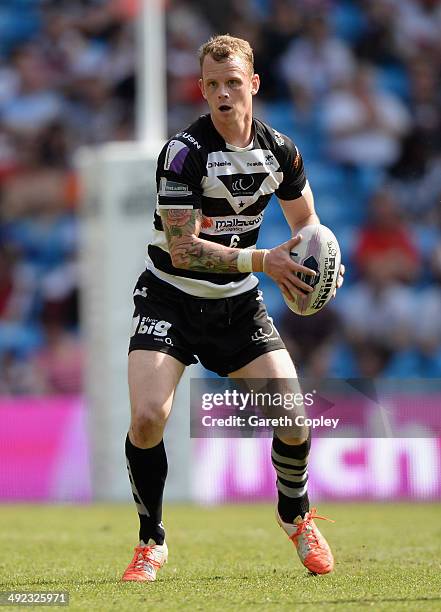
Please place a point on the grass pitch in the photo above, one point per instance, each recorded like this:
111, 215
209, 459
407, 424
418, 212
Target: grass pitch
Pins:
225, 558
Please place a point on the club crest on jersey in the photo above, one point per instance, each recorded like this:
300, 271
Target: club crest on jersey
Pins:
240, 185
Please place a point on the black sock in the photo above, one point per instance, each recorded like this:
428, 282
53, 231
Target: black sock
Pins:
291, 463
147, 469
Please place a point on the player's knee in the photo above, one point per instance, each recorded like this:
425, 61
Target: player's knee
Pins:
147, 425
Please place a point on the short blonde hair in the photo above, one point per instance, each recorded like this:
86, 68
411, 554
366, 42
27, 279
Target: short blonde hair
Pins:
224, 46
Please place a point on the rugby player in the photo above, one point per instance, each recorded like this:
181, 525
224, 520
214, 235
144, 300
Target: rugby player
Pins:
198, 297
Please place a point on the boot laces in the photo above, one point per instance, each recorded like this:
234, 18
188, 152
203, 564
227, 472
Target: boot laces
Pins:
144, 555
306, 529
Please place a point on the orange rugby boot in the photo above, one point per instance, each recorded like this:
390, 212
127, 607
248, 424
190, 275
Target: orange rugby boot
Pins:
312, 548
146, 561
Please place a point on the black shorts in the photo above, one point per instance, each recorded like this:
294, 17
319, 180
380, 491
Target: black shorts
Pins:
225, 334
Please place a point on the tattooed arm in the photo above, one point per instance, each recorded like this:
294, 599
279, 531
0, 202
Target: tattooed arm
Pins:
190, 252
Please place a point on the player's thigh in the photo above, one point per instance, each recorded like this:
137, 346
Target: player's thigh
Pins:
270, 367
274, 364
153, 377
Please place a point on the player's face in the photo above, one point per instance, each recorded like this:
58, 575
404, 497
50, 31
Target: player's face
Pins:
228, 88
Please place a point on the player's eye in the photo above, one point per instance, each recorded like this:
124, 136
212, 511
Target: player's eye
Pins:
234, 83
211, 83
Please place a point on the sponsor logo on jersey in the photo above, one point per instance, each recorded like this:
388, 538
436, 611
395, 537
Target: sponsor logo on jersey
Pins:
227, 225
173, 189
206, 222
175, 156
269, 161
190, 138
218, 164
278, 138
240, 185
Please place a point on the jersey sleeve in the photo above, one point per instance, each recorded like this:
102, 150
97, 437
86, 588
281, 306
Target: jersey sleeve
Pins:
178, 176
294, 178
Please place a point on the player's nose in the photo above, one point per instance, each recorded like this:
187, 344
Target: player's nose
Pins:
222, 93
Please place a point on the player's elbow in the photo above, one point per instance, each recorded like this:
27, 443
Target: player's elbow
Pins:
179, 257
178, 262
182, 252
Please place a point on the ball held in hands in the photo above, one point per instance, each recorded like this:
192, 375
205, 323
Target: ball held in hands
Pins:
319, 251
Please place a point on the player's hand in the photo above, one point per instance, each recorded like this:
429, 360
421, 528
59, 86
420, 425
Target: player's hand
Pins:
283, 270
340, 279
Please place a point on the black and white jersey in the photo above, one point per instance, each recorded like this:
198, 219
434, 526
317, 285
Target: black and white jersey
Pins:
232, 186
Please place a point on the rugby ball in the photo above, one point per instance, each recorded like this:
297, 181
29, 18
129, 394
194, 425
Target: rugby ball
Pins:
319, 251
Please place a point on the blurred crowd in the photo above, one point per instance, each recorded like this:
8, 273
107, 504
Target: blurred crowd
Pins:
356, 84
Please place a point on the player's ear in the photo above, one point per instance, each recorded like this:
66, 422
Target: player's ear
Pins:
202, 88
255, 84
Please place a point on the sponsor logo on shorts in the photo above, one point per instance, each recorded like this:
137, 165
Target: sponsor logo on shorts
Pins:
266, 333
157, 328
173, 189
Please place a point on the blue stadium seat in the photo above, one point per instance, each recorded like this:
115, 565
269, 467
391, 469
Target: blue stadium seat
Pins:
19, 21
430, 366
44, 246
393, 79
306, 133
19, 338
347, 20
342, 362
404, 364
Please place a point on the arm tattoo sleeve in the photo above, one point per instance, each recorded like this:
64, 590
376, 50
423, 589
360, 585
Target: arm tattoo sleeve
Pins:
190, 252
